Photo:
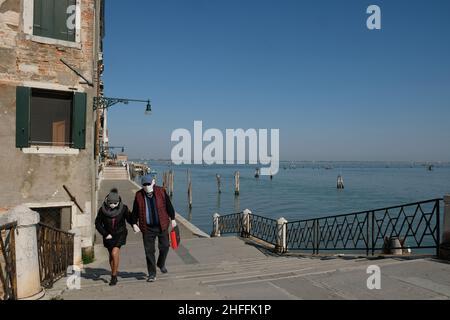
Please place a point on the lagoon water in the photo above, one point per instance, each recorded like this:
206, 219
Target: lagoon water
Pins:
304, 189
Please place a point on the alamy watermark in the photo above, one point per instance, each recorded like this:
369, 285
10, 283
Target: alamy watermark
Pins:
190, 148
72, 11
73, 281
374, 20
374, 281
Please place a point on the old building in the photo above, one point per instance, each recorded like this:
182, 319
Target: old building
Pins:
50, 71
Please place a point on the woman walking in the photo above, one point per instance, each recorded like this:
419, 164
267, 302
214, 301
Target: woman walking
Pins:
111, 224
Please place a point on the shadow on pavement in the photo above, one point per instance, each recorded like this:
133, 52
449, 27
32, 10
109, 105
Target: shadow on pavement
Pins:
96, 274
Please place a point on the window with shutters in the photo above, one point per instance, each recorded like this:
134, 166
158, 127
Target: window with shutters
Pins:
55, 19
50, 118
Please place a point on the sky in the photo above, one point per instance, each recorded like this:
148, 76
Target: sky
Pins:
310, 68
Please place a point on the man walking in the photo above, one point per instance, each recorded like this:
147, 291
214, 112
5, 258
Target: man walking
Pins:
154, 212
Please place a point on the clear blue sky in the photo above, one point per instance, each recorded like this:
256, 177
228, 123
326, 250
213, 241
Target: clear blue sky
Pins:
312, 69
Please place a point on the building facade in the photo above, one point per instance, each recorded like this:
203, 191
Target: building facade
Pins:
50, 72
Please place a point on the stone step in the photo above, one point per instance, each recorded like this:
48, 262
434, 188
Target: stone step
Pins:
115, 173
110, 177
224, 277
284, 273
272, 268
113, 177
261, 269
223, 264
259, 266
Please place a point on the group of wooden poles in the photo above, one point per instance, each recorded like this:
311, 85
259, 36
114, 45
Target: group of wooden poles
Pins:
168, 184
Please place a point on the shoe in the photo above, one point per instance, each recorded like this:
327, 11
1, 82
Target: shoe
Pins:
113, 281
163, 269
151, 278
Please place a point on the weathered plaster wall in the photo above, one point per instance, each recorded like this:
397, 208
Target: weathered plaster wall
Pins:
26, 60
32, 178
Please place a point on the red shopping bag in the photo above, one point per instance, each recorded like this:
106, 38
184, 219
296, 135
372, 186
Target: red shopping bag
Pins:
175, 238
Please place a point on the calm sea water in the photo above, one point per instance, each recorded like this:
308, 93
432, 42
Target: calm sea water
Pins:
304, 189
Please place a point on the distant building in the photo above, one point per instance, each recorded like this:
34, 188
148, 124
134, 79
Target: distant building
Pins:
48, 49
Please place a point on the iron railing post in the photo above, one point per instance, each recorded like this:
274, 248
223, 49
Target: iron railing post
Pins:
314, 236
373, 233
317, 235
367, 233
438, 227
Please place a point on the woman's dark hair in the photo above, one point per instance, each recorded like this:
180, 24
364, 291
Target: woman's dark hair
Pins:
114, 190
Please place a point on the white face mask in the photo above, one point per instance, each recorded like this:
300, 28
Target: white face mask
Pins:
113, 205
149, 189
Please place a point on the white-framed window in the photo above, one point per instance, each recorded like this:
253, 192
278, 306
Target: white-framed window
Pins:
50, 121
53, 22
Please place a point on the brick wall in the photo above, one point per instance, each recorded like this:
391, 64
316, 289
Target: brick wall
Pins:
26, 60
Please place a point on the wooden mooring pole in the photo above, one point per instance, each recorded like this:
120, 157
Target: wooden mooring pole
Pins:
236, 183
219, 190
171, 183
340, 182
189, 189
165, 180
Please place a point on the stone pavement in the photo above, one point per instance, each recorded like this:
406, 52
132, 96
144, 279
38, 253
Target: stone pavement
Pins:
229, 268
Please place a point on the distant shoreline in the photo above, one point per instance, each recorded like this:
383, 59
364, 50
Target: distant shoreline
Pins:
329, 161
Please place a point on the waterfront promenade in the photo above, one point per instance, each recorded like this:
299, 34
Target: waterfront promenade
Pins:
230, 268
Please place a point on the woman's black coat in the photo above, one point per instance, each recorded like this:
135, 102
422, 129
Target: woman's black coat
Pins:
116, 227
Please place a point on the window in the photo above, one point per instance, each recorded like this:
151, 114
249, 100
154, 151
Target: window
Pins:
54, 19
50, 118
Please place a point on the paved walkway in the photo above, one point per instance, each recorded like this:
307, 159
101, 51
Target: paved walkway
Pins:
229, 268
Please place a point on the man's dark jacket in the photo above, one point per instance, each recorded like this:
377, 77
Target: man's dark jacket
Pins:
164, 208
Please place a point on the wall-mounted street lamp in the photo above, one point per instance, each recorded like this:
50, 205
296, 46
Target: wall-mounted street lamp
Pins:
105, 103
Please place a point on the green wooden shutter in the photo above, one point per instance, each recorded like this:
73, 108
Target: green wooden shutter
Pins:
61, 31
23, 101
44, 18
79, 121
37, 17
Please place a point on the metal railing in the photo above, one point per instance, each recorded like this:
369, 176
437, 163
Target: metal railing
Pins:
262, 228
415, 225
8, 277
231, 223
55, 251
258, 227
